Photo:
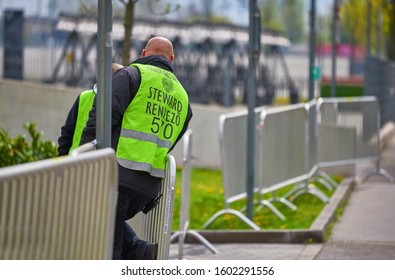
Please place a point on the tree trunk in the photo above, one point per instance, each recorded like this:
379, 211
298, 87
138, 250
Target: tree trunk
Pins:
128, 25
391, 45
391, 39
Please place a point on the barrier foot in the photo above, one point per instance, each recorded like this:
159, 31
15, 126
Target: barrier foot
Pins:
233, 212
323, 182
311, 189
181, 241
380, 171
174, 236
284, 201
288, 203
203, 240
294, 190
328, 178
272, 208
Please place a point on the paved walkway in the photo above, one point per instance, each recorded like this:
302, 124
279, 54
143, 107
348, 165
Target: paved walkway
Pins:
366, 230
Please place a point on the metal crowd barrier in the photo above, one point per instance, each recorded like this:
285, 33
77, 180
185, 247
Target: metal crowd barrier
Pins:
281, 132
233, 147
293, 144
156, 225
349, 132
185, 201
283, 150
315, 174
312, 172
61, 208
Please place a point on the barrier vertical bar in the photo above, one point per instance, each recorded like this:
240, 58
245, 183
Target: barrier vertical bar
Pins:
310, 156
185, 201
233, 145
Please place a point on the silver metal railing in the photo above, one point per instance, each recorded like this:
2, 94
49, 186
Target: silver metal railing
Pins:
280, 132
84, 148
312, 172
61, 208
293, 144
156, 225
233, 147
283, 152
349, 132
185, 201
312, 167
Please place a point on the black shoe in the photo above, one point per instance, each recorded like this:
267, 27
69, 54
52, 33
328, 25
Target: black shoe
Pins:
151, 252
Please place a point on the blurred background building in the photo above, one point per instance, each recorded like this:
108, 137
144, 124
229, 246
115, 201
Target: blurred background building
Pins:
58, 44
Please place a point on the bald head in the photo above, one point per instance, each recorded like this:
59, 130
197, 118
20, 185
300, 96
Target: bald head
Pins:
159, 46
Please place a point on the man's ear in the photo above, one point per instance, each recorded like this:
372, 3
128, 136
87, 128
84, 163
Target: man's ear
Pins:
143, 53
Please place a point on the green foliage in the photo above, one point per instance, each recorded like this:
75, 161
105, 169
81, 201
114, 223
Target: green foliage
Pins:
292, 13
354, 15
169, 8
271, 16
19, 150
285, 17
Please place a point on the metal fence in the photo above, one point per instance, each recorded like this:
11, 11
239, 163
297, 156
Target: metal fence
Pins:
184, 230
349, 132
312, 172
156, 225
284, 155
283, 148
293, 144
233, 147
60, 208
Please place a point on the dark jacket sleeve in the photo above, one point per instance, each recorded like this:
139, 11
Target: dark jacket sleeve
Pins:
121, 97
65, 140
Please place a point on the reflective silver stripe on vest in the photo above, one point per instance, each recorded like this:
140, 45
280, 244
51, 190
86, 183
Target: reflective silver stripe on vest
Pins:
146, 137
140, 166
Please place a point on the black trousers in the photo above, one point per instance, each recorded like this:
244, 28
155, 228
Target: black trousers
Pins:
127, 245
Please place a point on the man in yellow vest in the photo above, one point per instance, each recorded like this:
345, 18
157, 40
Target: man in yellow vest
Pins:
71, 131
150, 114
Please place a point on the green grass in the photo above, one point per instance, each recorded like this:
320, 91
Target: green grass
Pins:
206, 198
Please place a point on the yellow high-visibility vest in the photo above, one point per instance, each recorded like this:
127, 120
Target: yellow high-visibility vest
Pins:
152, 122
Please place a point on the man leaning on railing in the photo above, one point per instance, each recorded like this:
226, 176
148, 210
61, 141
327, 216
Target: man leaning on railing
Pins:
150, 113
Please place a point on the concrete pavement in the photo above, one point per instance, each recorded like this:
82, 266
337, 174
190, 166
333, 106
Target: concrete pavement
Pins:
366, 229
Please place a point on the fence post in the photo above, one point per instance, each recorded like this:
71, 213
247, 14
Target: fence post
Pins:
185, 201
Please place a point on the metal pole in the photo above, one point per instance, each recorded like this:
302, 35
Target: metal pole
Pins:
104, 79
254, 49
335, 41
312, 48
368, 42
